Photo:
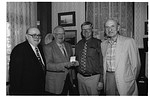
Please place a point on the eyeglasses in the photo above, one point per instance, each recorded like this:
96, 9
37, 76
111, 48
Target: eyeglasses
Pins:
60, 33
35, 36
87, 29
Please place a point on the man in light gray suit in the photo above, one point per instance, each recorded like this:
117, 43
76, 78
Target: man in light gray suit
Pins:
121, 62
59, 72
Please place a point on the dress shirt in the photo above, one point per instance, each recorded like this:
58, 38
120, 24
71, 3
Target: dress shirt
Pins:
33, 47
94, 59
110, 54
62, 48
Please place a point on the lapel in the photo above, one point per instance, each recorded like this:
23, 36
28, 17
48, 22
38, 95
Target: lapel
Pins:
104, 47
118, 49
67, 50
57, 49
31, 51
41, 52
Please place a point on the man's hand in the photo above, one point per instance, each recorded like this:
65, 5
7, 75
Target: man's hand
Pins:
75, 63
68, 65
100, 86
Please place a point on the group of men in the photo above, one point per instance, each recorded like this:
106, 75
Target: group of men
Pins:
111, 66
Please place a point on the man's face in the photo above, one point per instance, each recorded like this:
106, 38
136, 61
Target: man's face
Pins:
111, 28
33, 36
59, 35
87, 31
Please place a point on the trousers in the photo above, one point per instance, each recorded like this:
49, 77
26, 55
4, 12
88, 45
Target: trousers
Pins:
111, 87
88, 85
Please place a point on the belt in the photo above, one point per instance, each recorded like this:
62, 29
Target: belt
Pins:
88, 75
110, 71
55, 71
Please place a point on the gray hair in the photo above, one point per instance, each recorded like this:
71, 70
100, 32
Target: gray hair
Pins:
55, 29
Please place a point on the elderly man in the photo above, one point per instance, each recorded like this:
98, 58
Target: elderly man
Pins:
59, 72
121, 62
27, 66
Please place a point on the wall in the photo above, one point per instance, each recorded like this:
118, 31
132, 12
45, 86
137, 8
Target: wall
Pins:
44, 18
78, 7
140, 16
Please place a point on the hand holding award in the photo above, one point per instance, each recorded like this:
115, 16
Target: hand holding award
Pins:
74, 61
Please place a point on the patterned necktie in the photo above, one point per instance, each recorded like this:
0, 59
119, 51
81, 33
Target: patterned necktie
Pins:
83, 58
64, 51
39, 58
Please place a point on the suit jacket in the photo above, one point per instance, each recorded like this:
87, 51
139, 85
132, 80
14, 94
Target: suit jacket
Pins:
26, 73
56, 73
127, 65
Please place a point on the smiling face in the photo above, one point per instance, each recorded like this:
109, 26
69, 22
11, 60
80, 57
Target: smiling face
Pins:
87, 31
59, 35
33, 36
111, 28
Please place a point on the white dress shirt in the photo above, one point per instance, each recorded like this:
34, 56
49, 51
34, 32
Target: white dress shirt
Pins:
62, 48
33, 47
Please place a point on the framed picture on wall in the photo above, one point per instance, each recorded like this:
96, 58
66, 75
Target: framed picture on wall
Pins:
71, 37
66, 19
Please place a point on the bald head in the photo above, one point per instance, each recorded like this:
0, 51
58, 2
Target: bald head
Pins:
111, 21
32, 29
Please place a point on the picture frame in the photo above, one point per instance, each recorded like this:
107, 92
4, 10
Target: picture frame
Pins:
71, 37
67, 19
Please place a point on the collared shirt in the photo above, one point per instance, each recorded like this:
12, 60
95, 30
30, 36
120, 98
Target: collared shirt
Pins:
110, 54
62, 48
33, 48
94, 59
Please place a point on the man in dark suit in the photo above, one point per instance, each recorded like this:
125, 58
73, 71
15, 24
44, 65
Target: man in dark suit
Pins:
59, 78
27, 66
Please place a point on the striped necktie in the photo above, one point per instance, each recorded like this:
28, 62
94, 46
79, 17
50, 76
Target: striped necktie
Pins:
63, 49
83, 58
64, 52
39, 58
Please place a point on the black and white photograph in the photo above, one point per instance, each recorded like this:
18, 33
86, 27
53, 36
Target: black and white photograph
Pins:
71, 37
66, 19
107, 40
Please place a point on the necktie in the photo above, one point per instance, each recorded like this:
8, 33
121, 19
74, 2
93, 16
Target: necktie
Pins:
39, 58
83, 58
63, 48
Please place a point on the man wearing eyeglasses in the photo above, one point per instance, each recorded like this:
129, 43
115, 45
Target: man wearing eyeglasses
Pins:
27, 66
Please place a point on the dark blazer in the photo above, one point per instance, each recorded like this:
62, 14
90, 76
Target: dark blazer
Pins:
26, 74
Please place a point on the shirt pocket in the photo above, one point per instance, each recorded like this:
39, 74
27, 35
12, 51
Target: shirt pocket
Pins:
91, 51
